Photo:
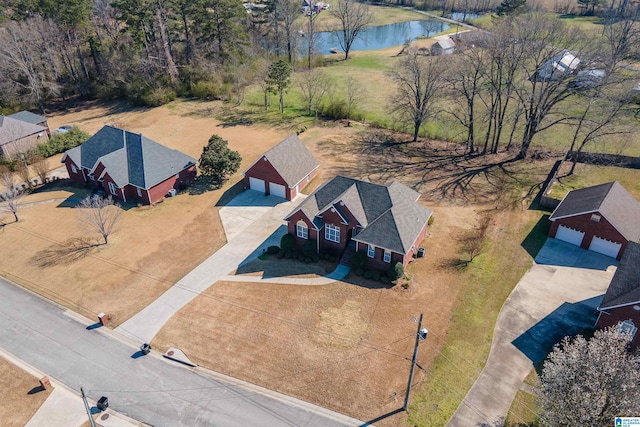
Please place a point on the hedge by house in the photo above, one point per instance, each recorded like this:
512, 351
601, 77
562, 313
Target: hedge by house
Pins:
61, 142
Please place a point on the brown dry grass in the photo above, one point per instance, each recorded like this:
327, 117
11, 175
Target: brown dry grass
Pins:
18, 406
153, 246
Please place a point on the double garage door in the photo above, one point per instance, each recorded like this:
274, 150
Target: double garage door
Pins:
598, 244
274, 189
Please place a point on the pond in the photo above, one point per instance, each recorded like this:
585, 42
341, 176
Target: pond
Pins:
383, 36
464, 17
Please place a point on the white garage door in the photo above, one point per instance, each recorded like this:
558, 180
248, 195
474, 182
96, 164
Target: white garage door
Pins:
277, 190
605, 247
257, 184
569, 235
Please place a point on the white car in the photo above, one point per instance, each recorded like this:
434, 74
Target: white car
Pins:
63, 129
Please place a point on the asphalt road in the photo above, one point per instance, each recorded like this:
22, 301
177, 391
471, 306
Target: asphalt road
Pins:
149, 388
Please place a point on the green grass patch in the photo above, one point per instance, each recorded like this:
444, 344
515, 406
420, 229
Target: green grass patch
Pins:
484, 287
524, 411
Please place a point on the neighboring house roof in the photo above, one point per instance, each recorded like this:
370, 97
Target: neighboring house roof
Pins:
29, 117
129, 158
624, 288
611, 200
389, 215
445, 44
13, 130
291, 159
557, 65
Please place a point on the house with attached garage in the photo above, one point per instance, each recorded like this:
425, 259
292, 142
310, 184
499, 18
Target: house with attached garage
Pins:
384, 221
129, 166
620, 305
29, 117
17, 136
602, 218
283, 171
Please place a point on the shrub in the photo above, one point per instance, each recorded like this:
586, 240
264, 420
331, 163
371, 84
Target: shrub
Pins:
359, 271
280, 254
263, 256
273, 250
315, 258
368, 274
309, 248
375, 276
208, 89
430, 220
322, 256
396, 271
358, 260
287, 243
337, 109
61, 142
307, 260
332, 258
301, 258
157, 97
288, 254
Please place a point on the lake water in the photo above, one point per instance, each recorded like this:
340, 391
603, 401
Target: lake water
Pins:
383, 36
459, 16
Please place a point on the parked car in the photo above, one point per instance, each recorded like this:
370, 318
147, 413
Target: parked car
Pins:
63, 129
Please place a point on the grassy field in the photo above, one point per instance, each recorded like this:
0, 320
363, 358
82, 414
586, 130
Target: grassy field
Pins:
20, 395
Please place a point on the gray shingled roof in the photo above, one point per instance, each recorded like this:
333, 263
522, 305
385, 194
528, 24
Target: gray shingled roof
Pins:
29, 117
611, 200
291, 159
130, 158
389, 214
624, 288
12, 129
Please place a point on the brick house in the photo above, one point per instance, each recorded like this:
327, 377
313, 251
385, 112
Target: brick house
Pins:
282, 171
602, 218
621, 303
129, 166
384, 221
17, 136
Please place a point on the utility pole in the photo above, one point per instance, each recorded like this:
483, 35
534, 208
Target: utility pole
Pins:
421, 334
86, 406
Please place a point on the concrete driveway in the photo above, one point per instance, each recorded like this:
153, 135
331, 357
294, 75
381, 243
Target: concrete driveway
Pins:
558, 296
249, 239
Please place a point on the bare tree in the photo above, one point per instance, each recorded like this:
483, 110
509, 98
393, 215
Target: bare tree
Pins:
22, 169
288, 12
418, 80
355, 93
313, 84
473, 243
40, 166
590, 382
12, 194
354, 18
99, 215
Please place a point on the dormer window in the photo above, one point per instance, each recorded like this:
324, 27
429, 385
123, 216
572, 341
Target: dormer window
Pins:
595, 218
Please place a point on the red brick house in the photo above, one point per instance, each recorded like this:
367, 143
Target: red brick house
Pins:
384, 221
621, 303
129, 166
602, 218
283, 171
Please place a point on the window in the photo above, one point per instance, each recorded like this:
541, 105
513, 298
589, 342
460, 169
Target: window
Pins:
332, 233
73, 169
628, 327
595, 218
387, 256
139, 192
302, 231
112, 188
371, 251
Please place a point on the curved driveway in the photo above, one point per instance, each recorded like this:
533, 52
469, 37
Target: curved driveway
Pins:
558, 296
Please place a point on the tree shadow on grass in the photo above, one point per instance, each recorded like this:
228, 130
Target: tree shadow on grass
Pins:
65, 253
203, 184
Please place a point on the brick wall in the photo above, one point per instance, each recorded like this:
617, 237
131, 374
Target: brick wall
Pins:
602, 229
621, 314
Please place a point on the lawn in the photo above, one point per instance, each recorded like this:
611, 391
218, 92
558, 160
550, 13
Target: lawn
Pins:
346, 345
588, 175
153, 247
20, 395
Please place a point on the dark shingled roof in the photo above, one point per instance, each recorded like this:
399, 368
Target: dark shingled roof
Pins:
291, 159
611, 200
29, 117
624, 288
389, 214
129, 158
12, 129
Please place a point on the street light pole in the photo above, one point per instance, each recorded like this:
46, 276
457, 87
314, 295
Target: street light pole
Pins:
86, 406
421, 334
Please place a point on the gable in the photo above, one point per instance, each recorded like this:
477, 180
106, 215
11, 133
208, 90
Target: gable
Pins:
624, 288
263, 169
